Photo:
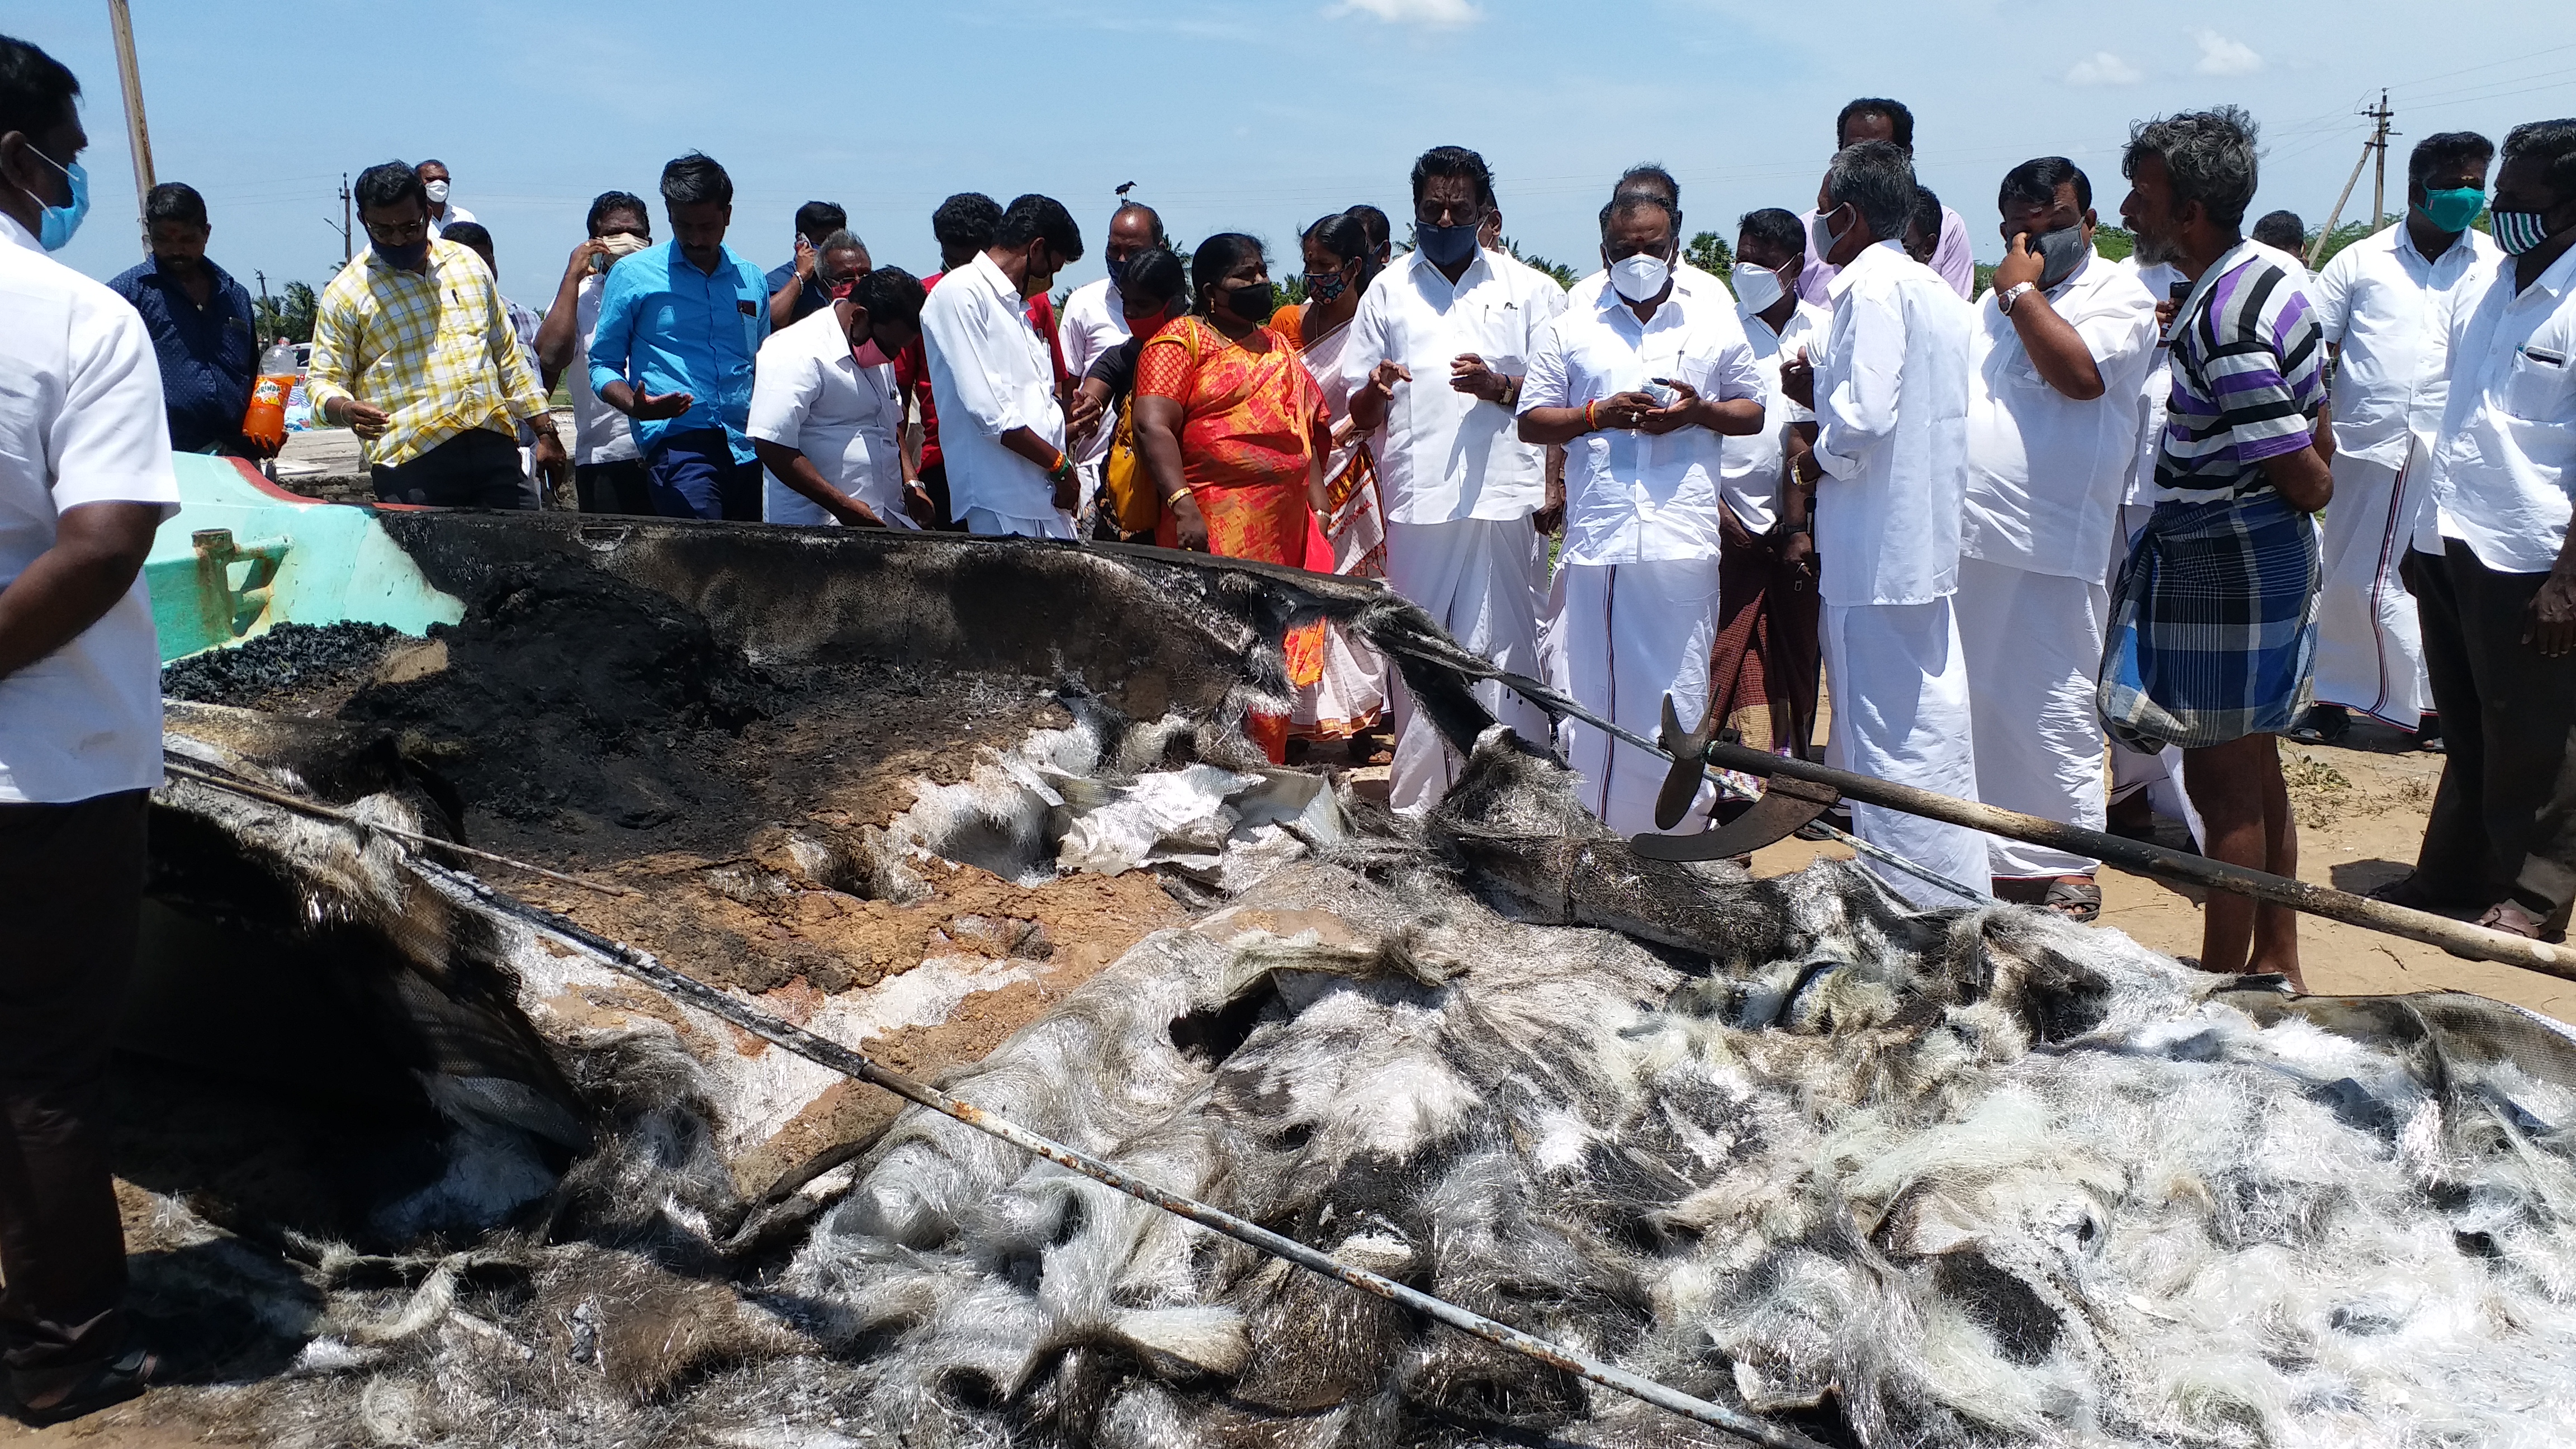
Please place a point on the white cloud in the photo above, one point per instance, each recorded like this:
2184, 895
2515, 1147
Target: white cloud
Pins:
1439, 13
2102, 68
2222, 56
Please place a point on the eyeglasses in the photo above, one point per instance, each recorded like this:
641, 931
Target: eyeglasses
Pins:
394, 236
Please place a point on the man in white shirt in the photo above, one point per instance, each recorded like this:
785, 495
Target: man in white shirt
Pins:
85, 480
826, 414
992, 377
1764, 669
1688, 281
1095, 320
2494, 566
1638, 389
2385, 304
1890, 393
434, 184
2062, 345
607, 470
1876, 118
1437, 352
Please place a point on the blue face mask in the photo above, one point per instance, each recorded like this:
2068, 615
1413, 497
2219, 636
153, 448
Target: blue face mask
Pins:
1118, 271
1445, 246
2453, 209
55, 230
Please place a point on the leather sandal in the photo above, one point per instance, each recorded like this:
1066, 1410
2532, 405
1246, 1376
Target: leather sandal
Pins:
103, 1386
2076, 899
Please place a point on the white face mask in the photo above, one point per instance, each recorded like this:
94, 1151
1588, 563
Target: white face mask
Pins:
437, 192
1757, 287
1820, 237
1640, 278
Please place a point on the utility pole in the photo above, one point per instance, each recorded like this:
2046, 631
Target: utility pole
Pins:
2379, 175
138, 137
2376, 146
345, 252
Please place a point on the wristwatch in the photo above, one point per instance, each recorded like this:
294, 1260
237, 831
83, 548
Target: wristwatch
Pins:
2014, 293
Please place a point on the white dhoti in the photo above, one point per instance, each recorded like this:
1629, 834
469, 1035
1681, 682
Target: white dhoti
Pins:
1899, 687
1626, 635
985, 523
2034, 649
1475, 578
2370, 647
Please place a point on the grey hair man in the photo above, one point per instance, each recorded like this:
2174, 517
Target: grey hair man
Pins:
2494, 563
1890, 467
2213, 617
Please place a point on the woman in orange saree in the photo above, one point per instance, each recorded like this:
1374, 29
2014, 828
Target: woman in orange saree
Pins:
1233, 432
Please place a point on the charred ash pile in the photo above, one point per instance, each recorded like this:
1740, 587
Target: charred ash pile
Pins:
1879, 1177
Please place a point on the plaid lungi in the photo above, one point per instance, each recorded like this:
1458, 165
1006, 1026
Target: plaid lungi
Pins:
2213, 625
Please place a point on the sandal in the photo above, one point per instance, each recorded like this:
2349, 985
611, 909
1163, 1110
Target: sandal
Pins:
2510, 918
2077, 899
2325, 724
104, 1386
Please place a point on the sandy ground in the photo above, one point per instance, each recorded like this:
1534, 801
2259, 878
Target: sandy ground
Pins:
2353, 835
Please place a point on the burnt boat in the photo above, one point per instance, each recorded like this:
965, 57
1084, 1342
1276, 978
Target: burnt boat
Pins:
409, 1169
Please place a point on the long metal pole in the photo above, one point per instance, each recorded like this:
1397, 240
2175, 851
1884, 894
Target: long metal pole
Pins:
2457, 937
138, 137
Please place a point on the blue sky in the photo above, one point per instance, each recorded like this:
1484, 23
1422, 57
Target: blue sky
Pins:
1229, 116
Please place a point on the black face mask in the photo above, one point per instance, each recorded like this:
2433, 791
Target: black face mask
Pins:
1253, 301
2061, 252
405, 258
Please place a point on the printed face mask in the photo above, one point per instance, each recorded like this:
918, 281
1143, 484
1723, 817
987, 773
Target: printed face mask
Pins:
1757, 287
2453, 208
2519, 231
1326, 286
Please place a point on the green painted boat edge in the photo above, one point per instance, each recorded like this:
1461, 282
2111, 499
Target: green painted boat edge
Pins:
243, 555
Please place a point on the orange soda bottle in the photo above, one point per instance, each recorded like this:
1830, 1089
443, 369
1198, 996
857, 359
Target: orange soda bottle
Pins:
264, 422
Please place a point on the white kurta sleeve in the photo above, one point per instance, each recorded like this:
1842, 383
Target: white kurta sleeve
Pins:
2331, 295
1868, 361
783, 389
1734, 373
1369, 341
968, 349
1545, 386
110, 440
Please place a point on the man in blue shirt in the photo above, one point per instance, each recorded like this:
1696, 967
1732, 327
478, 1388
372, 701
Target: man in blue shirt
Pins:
201, 325
679, 326
796, 290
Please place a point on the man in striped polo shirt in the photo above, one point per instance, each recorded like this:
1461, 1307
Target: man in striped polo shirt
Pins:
2213, 621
